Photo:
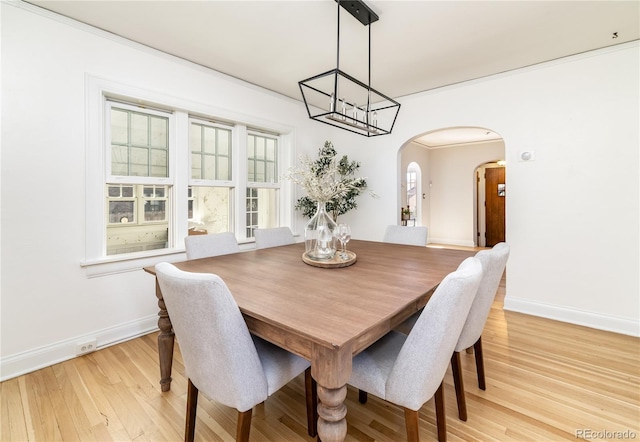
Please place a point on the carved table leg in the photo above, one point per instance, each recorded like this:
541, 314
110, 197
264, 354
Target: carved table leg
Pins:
331, 368
332, 425
165, 342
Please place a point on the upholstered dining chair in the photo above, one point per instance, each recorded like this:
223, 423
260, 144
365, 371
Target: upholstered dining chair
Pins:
407, 370
413, 236
215, 244
273, 237
493, 262
221, 358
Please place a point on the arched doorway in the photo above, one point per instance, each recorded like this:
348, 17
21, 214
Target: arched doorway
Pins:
448, 159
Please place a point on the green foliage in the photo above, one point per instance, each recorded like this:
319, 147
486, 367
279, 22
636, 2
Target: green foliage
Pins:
343, 202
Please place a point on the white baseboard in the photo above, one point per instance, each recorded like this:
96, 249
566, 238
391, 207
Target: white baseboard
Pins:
32, 360
450, 241
573, 316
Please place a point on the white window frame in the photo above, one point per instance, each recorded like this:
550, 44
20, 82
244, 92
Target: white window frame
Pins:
96, 262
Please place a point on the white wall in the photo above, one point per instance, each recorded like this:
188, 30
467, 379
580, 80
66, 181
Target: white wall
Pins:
572, 217
573, 213
48, 301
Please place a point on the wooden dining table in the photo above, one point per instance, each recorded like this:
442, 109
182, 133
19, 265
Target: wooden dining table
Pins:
325, 315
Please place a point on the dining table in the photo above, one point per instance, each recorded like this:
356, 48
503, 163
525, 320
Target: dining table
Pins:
324, 313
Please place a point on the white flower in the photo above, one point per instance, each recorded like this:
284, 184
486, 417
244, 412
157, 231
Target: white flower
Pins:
321, 183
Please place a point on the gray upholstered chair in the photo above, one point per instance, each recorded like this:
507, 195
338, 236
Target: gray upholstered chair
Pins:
493, 262
273, 237
203, 246
221, 358
413, 236
408, 370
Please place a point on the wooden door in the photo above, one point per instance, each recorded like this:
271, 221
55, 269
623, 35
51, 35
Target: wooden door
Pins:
495, 196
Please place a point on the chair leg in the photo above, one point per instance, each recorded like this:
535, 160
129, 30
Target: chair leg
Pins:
456, 368
311, 393
412, 423
477, 347
362, 396
192, 403
244, 425
441, 418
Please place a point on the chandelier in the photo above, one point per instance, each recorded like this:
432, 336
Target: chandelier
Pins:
336, 98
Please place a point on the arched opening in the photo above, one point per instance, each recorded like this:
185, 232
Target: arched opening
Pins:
448, 159
411, 213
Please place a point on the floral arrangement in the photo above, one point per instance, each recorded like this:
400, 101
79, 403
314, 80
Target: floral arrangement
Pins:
328, 179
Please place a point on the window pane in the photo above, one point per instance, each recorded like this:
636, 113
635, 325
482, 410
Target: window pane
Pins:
210, 208
113, 191
121, 212
224, 142
159, 163
262, 209
209, 172
154, 210
271, 149
119, 126
139, 129
127, 191
224, 168
209, 144
195, 137
160, 132
196, 167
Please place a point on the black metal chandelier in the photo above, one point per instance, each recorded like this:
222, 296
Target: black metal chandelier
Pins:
336, 98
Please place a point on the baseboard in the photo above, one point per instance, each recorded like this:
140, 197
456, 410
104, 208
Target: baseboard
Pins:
32, 360
450, 241
573, 316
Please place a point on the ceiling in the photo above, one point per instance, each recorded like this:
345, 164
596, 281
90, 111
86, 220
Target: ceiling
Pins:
416, 45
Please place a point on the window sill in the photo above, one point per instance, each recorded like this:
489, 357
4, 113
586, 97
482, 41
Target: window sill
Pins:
130, 262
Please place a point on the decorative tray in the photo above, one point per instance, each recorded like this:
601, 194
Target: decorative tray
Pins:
333, 263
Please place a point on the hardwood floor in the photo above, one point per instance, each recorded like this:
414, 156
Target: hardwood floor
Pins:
546, 381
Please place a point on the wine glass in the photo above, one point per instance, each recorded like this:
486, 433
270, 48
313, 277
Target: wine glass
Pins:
344, 235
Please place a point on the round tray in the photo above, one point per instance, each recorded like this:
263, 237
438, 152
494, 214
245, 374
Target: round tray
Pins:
333, 263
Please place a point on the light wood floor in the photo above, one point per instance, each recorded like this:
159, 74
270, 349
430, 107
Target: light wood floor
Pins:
546, 381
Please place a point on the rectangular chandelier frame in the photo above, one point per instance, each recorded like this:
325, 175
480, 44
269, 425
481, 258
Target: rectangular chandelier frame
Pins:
325, 94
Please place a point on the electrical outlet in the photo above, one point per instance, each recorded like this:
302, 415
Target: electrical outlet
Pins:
84, 347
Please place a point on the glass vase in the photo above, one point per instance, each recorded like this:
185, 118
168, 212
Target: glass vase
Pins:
319, 239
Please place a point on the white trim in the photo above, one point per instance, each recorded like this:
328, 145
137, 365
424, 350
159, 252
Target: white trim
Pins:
573, 316
28, 361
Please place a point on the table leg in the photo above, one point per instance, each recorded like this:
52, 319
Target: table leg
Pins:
165, 342
331, 368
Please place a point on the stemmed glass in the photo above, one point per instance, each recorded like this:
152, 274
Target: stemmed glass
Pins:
343, 233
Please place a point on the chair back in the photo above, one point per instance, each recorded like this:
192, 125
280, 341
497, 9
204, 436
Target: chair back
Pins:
273, 237
203, 246
423, 360
219, 355
413, 236
493, 262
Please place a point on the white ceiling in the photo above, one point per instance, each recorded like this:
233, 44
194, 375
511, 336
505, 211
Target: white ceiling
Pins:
416, 45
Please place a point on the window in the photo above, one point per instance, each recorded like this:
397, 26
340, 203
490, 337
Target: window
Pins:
137, 210
210, 193
154, 170
262, 182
